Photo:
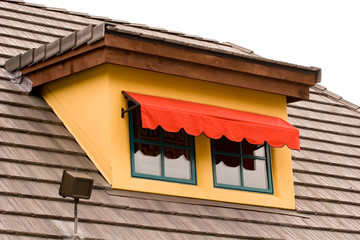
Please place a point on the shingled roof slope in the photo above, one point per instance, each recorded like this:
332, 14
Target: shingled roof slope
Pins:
25, 26
35, 148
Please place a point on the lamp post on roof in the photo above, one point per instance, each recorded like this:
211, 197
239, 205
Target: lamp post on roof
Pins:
78, 186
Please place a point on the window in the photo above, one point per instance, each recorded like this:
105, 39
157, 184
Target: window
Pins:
242, 166
161, 155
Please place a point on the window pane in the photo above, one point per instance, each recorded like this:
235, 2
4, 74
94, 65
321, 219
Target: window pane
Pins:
242, 165
228, 170
248, 163
147, 159
174, 153
229, 161
228, 175
177, 164
258, 177
225, 145
260, 152
163, 155
251, 149
179, 138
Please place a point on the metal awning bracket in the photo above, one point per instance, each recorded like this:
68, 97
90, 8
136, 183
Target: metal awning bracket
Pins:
127, 96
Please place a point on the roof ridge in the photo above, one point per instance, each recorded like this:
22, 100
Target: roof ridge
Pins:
336, 97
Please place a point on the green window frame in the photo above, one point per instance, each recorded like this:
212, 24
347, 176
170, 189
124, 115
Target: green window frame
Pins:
233, 151
162, 146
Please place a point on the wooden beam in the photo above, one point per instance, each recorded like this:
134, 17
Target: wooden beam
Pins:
166, 58
66, 67
265, 69
64, 57
204, 73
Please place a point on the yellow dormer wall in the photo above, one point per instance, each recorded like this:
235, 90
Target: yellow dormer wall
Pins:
89, 103
82, 103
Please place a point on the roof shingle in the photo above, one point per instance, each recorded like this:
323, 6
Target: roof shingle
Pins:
35, 147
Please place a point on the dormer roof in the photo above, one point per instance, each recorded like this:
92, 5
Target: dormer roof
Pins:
203, 59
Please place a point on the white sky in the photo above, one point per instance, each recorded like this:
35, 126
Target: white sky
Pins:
317, 33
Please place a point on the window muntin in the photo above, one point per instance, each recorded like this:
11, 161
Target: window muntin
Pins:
242, 166
158, 154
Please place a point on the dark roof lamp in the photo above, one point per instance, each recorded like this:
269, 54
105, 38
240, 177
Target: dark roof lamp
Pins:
78, 186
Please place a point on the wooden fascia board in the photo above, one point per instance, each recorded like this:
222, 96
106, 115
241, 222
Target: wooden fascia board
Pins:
54, 60
66, 68
251, 66
205, 73
163, 58
82, 58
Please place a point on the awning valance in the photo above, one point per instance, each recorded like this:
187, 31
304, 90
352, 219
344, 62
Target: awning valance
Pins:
214, 122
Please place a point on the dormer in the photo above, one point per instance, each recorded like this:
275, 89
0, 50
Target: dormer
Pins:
170, 114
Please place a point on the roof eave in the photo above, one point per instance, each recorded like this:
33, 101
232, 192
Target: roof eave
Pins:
96, 45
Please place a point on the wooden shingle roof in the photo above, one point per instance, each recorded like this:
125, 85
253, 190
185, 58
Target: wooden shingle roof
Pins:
35, 148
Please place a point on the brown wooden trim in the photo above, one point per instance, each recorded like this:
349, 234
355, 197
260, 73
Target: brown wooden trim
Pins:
64, 57
253, 67
205, 73
67, 67
163, 58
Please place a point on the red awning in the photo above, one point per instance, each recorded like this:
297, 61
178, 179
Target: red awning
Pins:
214, 122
